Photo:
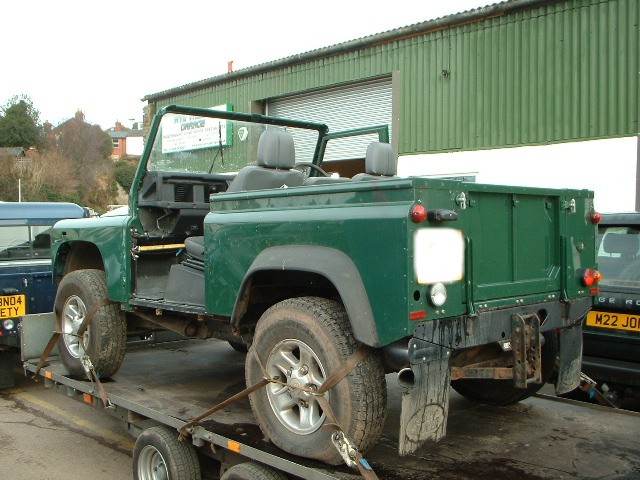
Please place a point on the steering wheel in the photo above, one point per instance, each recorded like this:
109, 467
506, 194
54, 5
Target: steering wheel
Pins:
311, 166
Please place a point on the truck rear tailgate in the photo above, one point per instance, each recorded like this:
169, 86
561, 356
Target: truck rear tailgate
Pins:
517, 241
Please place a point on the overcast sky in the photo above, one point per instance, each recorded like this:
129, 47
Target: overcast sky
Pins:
102, 58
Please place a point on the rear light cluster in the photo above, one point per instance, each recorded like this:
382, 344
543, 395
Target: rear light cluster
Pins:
418, 213
595, 217
590, 278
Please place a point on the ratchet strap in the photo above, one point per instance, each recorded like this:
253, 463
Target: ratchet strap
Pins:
348, 451
352, 362
86, 363
590, 387
238, 396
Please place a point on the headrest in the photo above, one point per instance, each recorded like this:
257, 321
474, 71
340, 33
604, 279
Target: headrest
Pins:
275, 149
625, 244
380, 160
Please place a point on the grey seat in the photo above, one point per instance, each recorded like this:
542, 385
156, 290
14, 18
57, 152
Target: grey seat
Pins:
195, 247
276, 157
380, 162
325, 180
195, 253
625, 265
627, 245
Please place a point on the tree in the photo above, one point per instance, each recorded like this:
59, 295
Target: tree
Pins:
9, 179
72, 162
19, 124
125, 171
88, 149
50, 177
44, 177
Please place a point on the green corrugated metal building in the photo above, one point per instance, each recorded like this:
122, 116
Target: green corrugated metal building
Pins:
520, 72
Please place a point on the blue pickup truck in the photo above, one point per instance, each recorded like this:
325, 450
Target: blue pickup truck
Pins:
25, 269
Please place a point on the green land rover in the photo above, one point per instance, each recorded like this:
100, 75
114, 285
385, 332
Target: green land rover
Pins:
303, 248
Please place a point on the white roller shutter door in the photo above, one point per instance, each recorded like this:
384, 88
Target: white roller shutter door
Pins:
362, 104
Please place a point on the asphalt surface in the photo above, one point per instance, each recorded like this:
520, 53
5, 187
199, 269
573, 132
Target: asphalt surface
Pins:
44, 435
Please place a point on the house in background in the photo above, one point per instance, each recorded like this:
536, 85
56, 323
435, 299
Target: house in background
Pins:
19, 154
70, 130
12, 152
126, 141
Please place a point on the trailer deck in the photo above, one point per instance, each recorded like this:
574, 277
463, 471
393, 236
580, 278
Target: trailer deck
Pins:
539, 438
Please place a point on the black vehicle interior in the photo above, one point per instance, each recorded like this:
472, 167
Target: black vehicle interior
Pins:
172, 207
174, 203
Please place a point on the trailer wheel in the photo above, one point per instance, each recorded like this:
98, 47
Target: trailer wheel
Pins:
302, 341
252, 471
503, 392
105, 339
158, 455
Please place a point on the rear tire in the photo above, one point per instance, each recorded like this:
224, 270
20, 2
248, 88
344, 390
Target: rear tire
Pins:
503, 392
302, 341
105, 339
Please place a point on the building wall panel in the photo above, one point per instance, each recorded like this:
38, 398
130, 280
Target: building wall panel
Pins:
558, 72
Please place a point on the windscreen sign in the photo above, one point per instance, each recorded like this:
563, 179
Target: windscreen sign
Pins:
185, 133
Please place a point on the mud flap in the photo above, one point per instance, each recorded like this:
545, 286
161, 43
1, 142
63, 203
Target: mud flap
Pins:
570, 359
425, 405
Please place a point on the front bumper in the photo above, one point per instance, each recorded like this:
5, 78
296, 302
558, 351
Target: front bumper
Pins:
606, 370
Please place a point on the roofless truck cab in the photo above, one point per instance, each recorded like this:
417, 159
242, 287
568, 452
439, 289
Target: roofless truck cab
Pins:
245, 228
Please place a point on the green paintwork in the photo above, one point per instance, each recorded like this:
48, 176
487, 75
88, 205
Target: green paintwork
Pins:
111, 236
515, 240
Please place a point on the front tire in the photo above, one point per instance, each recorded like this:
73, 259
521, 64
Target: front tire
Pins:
105, 339
503, 392
302, 341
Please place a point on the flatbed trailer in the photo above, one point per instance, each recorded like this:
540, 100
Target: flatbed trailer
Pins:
168, 385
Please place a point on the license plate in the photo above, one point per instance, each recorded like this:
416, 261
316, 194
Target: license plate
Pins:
615, 321
12, 306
